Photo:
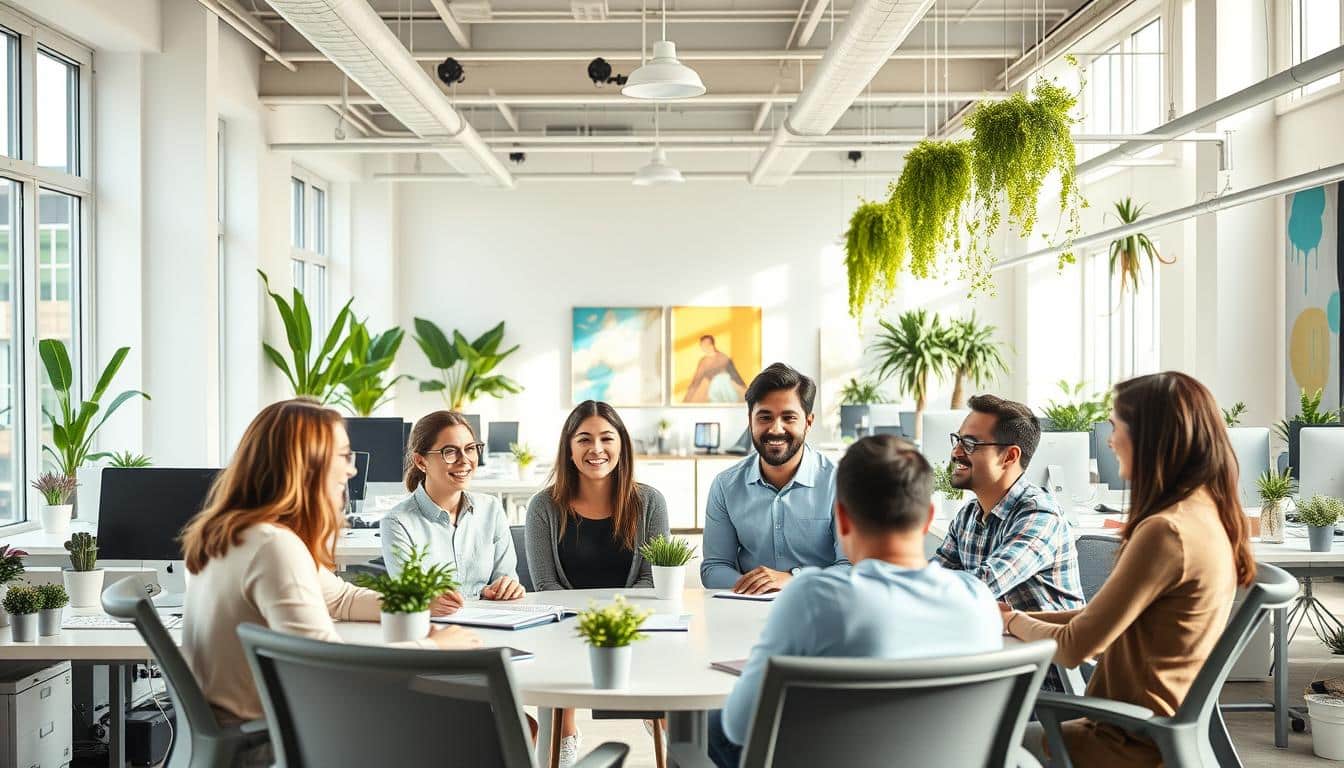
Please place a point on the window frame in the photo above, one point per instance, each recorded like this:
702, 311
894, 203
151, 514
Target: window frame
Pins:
307, 254
1122, 44
1285, 56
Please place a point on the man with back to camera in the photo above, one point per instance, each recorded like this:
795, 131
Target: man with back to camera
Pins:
893, 604
769, 515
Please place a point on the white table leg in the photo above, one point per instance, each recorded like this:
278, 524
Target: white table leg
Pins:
116, 703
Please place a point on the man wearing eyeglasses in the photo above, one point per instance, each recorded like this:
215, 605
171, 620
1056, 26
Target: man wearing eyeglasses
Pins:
1011, 535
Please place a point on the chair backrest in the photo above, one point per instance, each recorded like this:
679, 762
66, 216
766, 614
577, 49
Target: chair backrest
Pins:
126, 600
862, 712
520, 550
331, 705
1096, 560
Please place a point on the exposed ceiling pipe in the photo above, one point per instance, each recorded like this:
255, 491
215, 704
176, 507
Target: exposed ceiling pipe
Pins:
615, 100
352, 35
874, 29
458, 30
1273, 86
1286, 186
710, 16
625, 177
247, 18
246, 31
506, 113
1081, 24
727, 54
813, 20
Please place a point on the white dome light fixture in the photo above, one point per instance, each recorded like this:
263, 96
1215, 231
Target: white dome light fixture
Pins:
663, 77
657, 171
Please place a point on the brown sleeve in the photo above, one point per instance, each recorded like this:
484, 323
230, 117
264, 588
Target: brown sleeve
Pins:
1151, 564
1053, 617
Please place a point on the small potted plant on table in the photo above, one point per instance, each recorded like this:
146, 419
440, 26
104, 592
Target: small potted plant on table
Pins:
609, 631
668, 557
407, 597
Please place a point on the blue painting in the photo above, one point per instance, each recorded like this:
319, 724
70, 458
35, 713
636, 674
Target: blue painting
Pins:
617, 355
1314, 264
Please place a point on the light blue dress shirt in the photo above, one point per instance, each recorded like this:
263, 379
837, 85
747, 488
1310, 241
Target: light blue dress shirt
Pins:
749, 522
873, 610
480, 546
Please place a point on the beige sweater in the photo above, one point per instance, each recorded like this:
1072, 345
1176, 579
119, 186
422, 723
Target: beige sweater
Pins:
268, 579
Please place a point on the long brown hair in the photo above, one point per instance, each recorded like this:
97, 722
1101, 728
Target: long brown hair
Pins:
423, 435
565, 476
1180, 445
277, 475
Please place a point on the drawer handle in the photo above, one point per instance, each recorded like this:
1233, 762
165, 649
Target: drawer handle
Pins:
44, 693
42, 733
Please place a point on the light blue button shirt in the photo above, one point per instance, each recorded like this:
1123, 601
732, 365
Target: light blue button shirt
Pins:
480, 546
874, 610
749, 522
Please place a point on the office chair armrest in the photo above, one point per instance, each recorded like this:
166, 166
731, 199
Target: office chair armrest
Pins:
609, 754
1072, 678
1021, 758
1127, 716
687, 755
253, 726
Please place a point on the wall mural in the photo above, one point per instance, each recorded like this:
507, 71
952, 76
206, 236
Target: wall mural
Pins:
1313, 265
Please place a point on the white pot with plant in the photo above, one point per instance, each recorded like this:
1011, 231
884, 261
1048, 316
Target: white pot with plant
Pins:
1319, 514
84, 580
11, 568
523, 457
609, 631
1276, 491
947, 500
406, 598
56, 490
22, 603
664, 431
54, 599
668, 557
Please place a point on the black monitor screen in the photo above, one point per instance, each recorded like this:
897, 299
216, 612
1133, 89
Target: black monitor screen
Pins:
502, 434
382, 439
355, 485
142, 511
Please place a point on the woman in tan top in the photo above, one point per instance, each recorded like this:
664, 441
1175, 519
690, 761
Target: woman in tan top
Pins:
262, 551
1185, 549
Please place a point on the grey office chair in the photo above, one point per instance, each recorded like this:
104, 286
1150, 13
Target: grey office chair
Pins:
1096, 560
827, 711
332, 705
519, 533
1195, 737
199, 741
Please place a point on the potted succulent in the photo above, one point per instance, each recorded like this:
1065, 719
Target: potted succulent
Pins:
11, 568
22, 604
609, 631
56, 490
84, 580
1320, 513
668, 557
406, 598
54, 599
1275, 490
523, 457
948, 499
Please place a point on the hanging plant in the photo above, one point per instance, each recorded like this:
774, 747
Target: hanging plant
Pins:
928, 197
874, 255
1016, 144
1128, 252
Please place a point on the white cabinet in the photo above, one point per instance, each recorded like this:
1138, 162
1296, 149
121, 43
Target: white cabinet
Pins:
706, 469
675, 479
35, 723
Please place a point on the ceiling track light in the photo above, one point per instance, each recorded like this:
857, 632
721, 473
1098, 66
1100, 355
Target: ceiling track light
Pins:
657, 171
663, 76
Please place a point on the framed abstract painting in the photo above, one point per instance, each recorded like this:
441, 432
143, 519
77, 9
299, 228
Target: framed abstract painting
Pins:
617, 355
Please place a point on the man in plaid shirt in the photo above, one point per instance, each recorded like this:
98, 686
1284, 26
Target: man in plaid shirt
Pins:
1012, 535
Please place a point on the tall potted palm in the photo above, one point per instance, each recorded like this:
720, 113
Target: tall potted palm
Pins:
912, 351
973, 355
366, 388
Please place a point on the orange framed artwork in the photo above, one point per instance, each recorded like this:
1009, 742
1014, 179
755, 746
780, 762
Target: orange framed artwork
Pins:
715, 353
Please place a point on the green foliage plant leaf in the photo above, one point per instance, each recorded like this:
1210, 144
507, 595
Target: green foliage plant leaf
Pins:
1276, 487
1078, 412
933, 188
667, 551
72, 425
863, 392
973, 355
367, 388
874, 255
417, 585
612, 626
912, 351
1128, 252
1320, 511
465, 368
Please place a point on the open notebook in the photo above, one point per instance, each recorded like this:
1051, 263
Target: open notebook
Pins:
492, 615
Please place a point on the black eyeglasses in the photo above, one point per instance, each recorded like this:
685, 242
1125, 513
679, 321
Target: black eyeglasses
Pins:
452, 454
969, 444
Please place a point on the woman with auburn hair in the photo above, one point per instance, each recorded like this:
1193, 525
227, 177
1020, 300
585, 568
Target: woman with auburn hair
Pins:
1184, 551
263, 550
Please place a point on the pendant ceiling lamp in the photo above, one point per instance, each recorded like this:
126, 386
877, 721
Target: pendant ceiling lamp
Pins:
657, 171
663, 76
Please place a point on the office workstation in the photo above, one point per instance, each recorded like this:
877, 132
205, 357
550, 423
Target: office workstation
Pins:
575, 380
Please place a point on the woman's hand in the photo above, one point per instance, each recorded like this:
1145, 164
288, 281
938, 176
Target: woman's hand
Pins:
454, 638
446, 604
1006, 613
504, 588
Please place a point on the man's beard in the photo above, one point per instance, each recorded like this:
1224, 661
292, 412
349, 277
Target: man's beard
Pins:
773, 456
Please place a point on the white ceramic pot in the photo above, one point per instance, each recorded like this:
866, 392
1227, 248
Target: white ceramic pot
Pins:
4, 615
611, 666
669, 581
1327, 725
56, 518
85, 588
23, 627
400, 627
49, 621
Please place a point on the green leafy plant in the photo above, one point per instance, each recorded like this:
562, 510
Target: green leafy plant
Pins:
317, 374
942, 482
1309, 415
863, 392
874, 255
1232, 416
973, 355
1334, 640
415, 588
1320, 511
667, 551
522, 455
53, 596
365, 389
464, 366
11, 563
22, 599
72, 427
664, 425
928, 198
912, 351
1276, 487
129, 460
56, 489
1078, 413
613, 626
1128, 252
83, 549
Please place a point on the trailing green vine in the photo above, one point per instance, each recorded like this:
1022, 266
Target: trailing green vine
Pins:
928, 197
874, 255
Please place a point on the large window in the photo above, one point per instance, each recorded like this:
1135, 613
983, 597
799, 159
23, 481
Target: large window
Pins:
1123, 329
1314, 29
1125, 91
308, 241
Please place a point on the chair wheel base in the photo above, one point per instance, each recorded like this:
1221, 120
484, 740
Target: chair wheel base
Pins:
1299, 725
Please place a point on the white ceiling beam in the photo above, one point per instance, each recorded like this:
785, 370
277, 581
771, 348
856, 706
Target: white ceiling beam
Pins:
735, 54
458, 30
617, 101
507, 113
812, 21
738, 16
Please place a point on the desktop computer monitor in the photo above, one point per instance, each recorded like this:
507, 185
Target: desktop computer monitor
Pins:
355, 485
1251, 447
1061, 466
502, 434
743, 446
878, 415
1322, 460
936, 445
141, 513
707, 435
381, 438
1108, 466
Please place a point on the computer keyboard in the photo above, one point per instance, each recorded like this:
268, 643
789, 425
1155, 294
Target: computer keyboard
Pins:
103, 621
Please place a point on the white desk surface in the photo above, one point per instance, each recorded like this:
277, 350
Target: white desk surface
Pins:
352, 546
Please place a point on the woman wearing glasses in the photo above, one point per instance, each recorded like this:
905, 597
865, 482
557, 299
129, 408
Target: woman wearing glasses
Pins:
468, 530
